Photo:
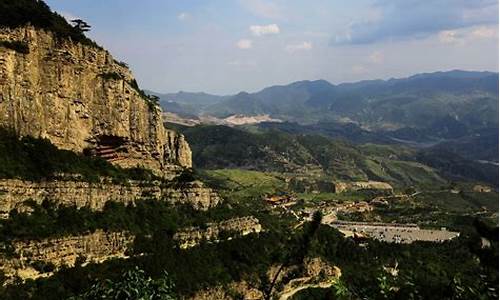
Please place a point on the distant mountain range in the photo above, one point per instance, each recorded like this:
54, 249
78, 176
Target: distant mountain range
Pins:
423, 109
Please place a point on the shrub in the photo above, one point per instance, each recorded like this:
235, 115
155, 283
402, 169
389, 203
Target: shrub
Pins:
134, 284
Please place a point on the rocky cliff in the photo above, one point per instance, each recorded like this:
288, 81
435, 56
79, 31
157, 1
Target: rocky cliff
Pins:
190, 237
81, 99
35, 258
15, 193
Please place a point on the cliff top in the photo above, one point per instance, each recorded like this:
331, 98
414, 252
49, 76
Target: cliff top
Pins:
19, 13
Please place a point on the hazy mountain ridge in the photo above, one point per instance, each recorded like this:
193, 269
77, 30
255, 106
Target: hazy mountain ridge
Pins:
421, 110
186, 103
444, 104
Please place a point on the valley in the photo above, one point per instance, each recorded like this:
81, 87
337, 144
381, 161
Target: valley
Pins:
383, 189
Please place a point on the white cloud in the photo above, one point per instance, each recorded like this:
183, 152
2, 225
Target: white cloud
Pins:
359, 70
450, 37
183, 16
244, 44
485, 32
376, 57
299, 47
261, 8
259, 30
467, 35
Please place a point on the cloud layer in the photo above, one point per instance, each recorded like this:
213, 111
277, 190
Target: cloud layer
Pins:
402, 19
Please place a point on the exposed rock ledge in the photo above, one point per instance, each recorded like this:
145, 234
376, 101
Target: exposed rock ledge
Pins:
14, 193
58, 252
227, 229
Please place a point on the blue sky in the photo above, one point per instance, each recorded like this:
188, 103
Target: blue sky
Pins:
223, 46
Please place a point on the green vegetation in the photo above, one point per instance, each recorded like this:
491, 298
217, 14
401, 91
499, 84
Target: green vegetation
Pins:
298, 251
134, 284
16, 13
341, 197
143, 218
17, 46
458, 168
324, 159
315, 157
38, 159
457, 269
244, 183
426, 270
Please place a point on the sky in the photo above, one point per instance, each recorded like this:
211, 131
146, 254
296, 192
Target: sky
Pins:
223, 46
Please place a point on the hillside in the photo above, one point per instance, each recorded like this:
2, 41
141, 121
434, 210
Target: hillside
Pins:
274, 150
217, 147
100, 199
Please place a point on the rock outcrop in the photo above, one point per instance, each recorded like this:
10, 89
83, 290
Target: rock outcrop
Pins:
478, 188
227, 229
83, 100
35, 258
341, 187
15, 193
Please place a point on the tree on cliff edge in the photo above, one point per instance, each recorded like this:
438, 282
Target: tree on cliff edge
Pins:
81, 25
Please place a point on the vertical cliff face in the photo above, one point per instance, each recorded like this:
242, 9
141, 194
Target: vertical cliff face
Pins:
81, 99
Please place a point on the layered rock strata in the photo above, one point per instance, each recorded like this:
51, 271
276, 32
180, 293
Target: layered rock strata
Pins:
227, 229
15, 193
52, 254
